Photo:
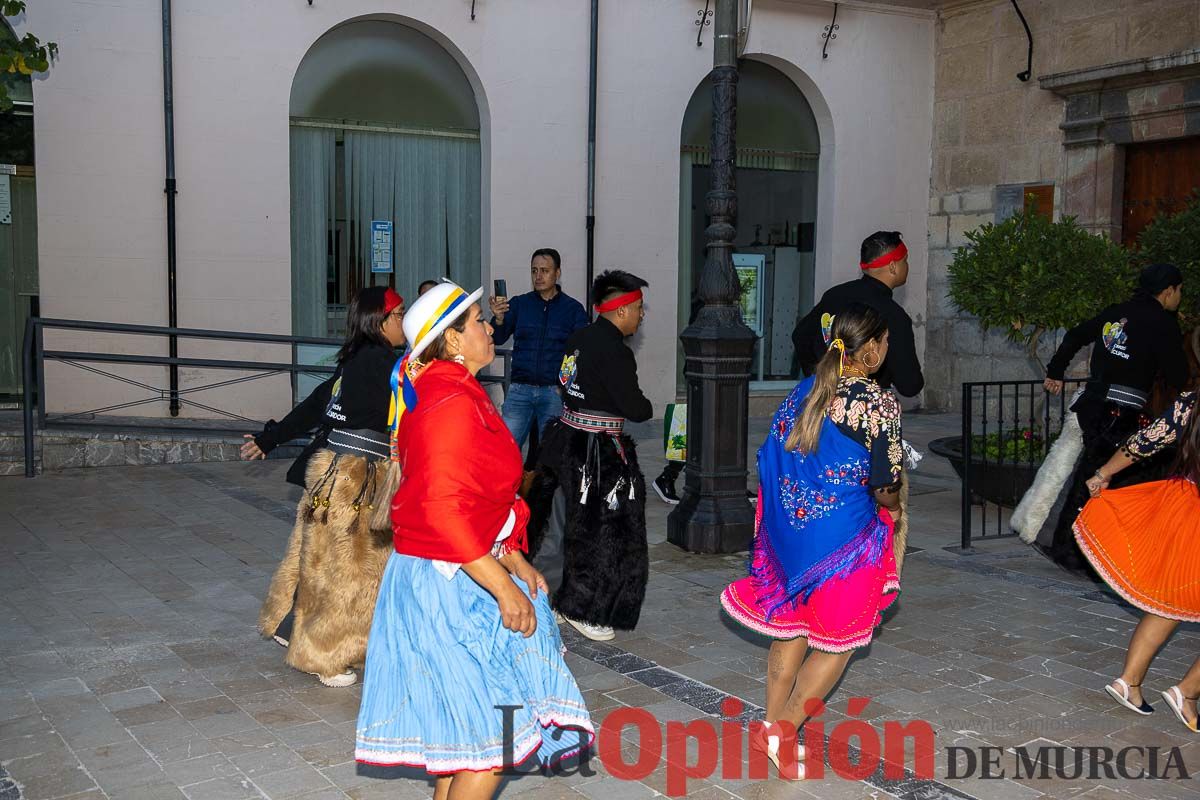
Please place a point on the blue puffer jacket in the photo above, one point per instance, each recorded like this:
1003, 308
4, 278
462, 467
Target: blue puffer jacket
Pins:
539, 329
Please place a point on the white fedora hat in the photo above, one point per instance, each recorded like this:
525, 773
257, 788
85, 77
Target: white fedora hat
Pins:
433, 312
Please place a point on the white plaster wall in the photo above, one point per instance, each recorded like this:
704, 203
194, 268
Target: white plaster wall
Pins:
100, 151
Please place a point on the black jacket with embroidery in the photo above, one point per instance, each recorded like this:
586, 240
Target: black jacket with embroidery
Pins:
1133, 342
900, 369
599, 373
363, 400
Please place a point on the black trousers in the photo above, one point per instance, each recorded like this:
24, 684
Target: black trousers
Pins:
1105, 427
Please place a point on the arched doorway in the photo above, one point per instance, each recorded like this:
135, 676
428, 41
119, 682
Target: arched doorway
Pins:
384, 133
777, 158
18, 225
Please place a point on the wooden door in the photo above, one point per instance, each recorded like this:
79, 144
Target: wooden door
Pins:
1160, 177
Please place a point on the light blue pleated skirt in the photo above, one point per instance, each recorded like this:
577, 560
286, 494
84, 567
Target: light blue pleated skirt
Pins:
442, 674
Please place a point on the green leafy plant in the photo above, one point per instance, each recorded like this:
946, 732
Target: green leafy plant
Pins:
1028, 275
1023, 446
1175, 239
23, 56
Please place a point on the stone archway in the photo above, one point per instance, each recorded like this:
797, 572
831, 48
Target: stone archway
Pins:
778, 158
386, 130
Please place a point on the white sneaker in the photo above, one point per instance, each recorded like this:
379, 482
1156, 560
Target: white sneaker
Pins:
347, 678
279, 640
597, 633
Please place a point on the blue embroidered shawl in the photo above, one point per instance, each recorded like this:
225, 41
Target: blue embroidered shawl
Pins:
818, 518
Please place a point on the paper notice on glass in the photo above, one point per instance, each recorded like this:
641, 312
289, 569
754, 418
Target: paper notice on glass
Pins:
5, 201
381, 246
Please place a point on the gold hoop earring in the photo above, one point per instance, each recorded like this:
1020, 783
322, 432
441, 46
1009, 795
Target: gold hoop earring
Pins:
868, 364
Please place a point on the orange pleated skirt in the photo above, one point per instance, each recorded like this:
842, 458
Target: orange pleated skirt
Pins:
1144, 540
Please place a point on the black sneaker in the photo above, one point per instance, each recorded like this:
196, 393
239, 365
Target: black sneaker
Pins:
665, 491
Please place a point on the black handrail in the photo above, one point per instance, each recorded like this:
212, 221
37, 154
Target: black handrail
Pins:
977, 474
34, 356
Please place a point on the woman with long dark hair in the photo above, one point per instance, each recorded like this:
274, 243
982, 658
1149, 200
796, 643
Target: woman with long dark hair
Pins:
822, 565
334, 558
464, 671
1143, 541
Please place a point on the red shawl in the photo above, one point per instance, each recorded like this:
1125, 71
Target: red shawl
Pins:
460, 471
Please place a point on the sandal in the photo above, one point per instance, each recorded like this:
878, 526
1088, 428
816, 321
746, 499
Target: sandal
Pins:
1122, 697
347, 678
1175, 697
767, 741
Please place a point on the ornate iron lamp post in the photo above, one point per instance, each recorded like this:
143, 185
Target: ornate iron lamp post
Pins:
714, 515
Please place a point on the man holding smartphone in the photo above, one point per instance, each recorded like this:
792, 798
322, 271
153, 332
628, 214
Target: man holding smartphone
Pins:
539, 323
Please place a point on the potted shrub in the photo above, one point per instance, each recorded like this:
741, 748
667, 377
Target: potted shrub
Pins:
1026, 276
1003, 464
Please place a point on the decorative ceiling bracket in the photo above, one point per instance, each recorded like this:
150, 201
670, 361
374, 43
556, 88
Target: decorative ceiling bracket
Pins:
705, 19
1028, 73
830, 32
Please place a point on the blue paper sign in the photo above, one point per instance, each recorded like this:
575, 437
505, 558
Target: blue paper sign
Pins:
381, 245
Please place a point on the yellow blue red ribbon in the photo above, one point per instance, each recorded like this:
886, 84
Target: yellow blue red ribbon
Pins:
404, 397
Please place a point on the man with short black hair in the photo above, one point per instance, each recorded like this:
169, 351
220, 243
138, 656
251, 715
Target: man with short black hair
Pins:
883, 259
884, 265
425, 287
539, 323
1133, 343
589, 496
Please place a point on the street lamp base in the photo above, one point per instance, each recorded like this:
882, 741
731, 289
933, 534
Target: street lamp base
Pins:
716, 523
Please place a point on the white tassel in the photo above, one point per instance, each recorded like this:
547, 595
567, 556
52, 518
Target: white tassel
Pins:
583, 494
611, 499
631, 493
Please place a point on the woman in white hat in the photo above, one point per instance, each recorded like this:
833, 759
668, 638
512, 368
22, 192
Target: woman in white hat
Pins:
463, 635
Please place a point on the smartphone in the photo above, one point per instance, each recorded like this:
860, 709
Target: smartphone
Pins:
500, 286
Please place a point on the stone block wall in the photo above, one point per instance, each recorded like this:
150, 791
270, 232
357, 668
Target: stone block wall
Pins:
992, 129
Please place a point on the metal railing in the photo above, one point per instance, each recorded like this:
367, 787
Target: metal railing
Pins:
35, 356
1008, 428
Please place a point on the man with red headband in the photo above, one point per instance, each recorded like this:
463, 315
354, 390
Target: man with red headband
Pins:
588, 502
884, 267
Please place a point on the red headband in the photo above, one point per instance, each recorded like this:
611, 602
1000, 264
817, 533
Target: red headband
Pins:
390, 300
895, 254
618, 301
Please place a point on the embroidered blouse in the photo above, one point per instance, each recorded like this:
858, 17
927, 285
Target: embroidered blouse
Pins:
1162, 432
869, 415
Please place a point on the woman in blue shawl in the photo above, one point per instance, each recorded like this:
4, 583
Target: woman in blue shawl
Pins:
822, 568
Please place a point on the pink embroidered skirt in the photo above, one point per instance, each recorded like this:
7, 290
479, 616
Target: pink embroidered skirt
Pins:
842, 614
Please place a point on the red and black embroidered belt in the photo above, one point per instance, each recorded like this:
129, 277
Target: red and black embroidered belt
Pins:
593, 423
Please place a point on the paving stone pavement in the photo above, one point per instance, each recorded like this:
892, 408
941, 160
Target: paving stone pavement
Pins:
129, 665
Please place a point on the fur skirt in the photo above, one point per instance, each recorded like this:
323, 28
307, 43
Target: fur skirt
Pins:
606, 562
332, 567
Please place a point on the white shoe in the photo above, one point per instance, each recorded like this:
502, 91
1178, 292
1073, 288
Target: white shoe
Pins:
597, 633
279, 640
347, 678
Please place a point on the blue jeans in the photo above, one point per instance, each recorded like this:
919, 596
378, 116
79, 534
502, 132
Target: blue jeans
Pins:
526, 403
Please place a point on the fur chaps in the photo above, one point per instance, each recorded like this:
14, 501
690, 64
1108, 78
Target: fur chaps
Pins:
606, 562
1045, 497
332, 568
